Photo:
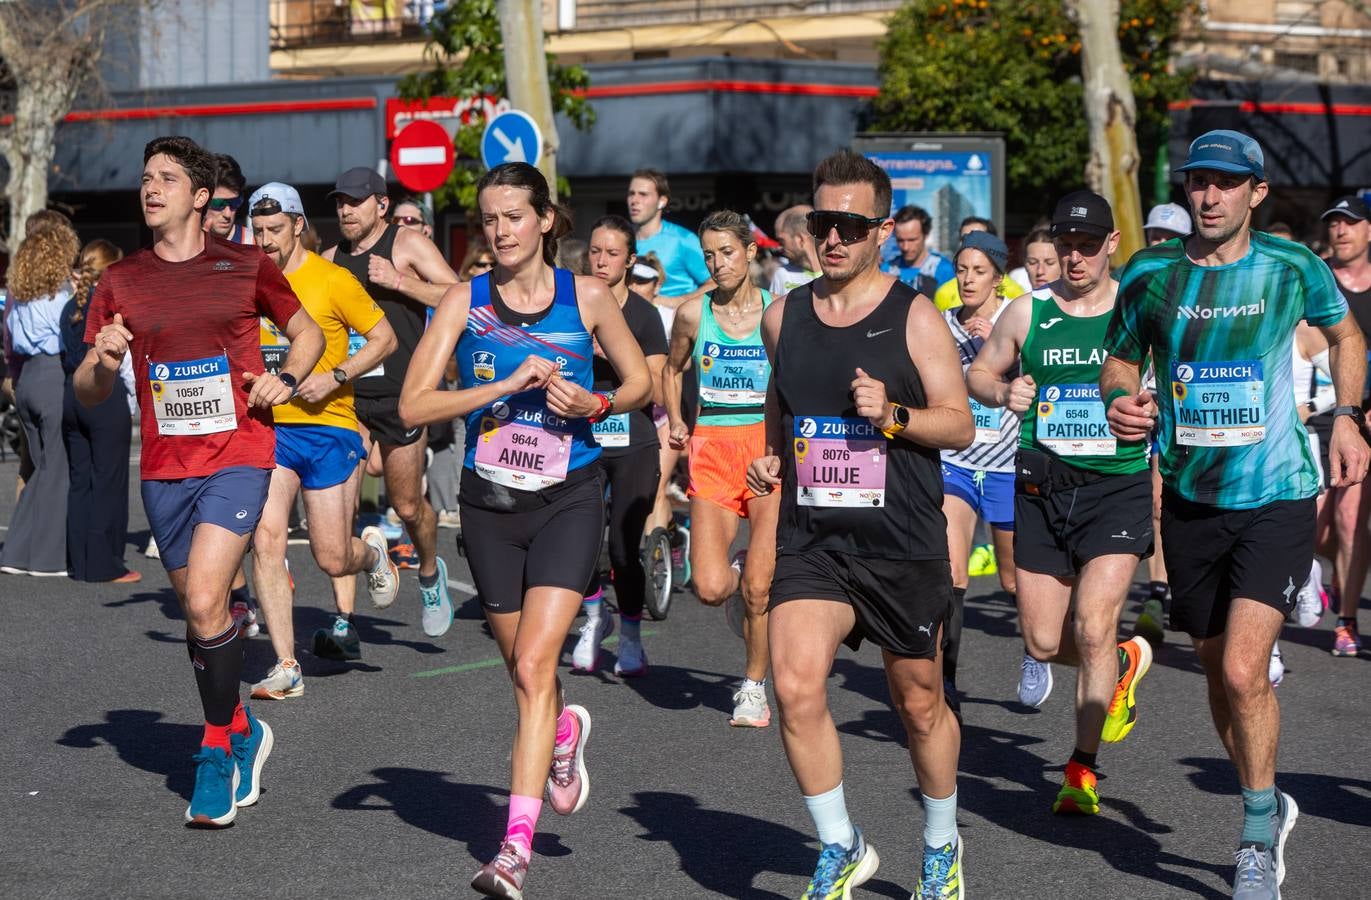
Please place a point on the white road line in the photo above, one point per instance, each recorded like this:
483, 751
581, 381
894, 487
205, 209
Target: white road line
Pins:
462, 586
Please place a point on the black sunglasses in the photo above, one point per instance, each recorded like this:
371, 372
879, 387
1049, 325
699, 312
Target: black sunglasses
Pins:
851, 227
411, 221
219, 204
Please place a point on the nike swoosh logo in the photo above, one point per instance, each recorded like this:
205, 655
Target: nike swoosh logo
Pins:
1050, 322
872, 334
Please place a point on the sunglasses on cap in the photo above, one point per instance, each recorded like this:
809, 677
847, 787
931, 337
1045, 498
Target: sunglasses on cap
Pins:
266, 207
410, 221
219, 204
851, 227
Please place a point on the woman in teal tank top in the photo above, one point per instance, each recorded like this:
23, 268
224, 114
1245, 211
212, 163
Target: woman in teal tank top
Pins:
721, 335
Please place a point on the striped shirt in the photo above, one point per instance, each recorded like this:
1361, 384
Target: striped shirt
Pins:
997, 429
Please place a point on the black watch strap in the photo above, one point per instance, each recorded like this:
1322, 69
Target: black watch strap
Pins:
1354, 411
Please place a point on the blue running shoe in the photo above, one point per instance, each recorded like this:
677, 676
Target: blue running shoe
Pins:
840, 869
941, 878
250, 751
216, 782
437, 615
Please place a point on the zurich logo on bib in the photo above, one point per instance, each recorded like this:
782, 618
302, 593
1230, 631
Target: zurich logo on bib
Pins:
161, 372
808, 428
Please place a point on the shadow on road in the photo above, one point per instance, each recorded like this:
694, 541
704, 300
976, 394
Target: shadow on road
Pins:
675, 687
1329, 797
143, 741
470, 814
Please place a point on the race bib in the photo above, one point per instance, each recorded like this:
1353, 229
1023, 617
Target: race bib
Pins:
1219, 404
523, 446
357, 342
839, 462
192, 397
987, 419
275, 346
1071, 421
735, 376
611, 432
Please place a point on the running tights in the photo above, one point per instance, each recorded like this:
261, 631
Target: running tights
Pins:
632, 480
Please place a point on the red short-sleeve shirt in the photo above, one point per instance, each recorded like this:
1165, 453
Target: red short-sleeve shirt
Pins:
205, 307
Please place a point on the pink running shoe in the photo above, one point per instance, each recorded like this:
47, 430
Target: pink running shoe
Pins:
568, 784
504, 875
1346, 641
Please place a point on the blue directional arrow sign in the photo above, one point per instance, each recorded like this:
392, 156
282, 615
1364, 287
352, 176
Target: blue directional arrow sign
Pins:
511, 136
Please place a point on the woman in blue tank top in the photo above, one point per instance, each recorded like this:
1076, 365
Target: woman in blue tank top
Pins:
532, 500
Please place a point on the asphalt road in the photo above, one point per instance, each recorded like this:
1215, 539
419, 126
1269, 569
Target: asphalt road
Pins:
389, 775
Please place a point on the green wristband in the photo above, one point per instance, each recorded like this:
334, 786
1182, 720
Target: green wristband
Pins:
1114, 395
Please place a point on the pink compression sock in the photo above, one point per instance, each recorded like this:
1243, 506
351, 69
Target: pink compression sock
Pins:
523, 818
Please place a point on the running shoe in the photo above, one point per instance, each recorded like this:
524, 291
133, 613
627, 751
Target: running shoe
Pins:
1346, 640
982, 561
1287, 811
941, 878
245, 617
250, 752
750, 709
1123, 709
437, 614
1080, 792
632, 661
568, 784
1275, 670
680, 555
449, 519
840, 869
152, 552
284, 680
586, 656
383, 586
339, 642
1151, 622
504, 875
1255, 876
1035, 681
216, 784
405, 556
1312, 600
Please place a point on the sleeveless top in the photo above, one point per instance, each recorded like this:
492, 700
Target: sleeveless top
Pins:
997, 428
733, 372
406, 316
845, 486
516, 445
1063, 354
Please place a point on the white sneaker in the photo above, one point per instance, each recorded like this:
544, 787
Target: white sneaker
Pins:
586, 656
750, 709
632, 661
383, 585
245, 617
152, 552
281, 682
1311, 599
449, 519
1275, 670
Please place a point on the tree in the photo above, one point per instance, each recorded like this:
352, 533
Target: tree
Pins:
465, 53
51, 49
1014, 66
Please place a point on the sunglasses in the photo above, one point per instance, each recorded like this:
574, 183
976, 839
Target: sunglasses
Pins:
219, 204
481, 264
266, 207
851, 227
411, 221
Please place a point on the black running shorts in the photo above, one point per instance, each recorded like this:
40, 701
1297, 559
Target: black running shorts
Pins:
900, 604
554, 545
1214, 556
381, 416
1058, 534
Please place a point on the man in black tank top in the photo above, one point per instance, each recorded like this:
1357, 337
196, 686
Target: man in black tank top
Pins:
854, 435
406, 275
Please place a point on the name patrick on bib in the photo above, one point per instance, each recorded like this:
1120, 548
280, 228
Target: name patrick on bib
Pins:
1071, 421
839, 462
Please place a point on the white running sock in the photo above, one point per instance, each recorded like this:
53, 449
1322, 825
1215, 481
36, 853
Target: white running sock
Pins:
829, 812
748, 684
940, 821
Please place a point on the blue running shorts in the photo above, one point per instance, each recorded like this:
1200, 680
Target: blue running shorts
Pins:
231, 498
989, 494
322, 455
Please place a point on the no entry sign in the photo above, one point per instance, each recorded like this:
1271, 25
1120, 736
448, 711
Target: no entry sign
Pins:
421, 155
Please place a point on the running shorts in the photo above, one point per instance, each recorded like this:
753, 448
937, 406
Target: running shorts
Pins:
231, 498
381, 415
556, 544
719, 457
989, 494
1061, 532
1214, 556
900, 604
322, 455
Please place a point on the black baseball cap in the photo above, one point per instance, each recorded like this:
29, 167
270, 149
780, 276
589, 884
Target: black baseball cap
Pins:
1351, 206
359, 183
1083, 211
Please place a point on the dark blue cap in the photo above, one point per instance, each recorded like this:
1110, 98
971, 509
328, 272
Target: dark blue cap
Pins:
994, 248
1226, 151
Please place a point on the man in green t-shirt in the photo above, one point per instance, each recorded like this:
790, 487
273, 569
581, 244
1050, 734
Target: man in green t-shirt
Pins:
1217, 314
1083, 498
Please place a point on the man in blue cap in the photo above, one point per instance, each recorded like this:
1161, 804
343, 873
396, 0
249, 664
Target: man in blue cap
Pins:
1217, 313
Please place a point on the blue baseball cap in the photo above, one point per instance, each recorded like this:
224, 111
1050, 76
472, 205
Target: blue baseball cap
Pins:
1226, 151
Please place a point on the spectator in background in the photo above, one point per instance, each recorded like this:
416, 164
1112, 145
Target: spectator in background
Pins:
1166, 222
39, 288
412, 213
1041, 264
801, 259
97, 439
684, 274
221, 218
948, 296
478, 261
917, 265
1281, 230
573, 254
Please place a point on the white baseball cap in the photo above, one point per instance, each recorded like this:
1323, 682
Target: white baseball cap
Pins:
283, 195
1170, 217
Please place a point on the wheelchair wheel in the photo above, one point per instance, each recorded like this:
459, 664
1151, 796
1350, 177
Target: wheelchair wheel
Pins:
657, 566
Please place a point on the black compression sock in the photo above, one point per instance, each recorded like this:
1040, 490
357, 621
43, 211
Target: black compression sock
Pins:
1085, 759
240, 595
218, 665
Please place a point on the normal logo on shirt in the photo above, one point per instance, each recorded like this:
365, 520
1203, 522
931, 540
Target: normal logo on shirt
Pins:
223, 265
1222, 312
483, 365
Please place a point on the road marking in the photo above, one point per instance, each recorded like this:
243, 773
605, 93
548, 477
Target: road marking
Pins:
461, 586
499, 661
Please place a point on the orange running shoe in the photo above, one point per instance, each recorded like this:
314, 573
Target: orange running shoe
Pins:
1123, 709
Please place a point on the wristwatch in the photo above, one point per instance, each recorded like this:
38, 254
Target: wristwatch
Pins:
899, 419
1354, 412
340, 376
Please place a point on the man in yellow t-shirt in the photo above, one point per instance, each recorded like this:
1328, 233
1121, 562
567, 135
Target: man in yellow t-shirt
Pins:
318, 448
948, 296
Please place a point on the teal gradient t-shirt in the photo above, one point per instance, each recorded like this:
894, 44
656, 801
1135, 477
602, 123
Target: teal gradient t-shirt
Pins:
678, 250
